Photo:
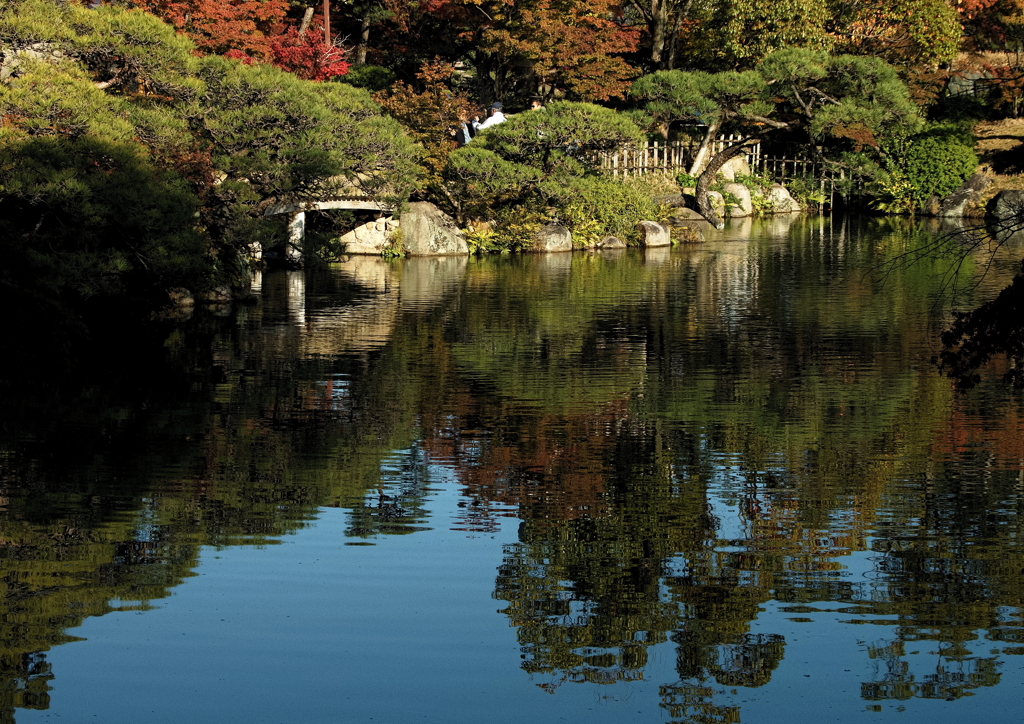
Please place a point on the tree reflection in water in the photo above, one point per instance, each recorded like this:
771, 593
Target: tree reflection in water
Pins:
687, 438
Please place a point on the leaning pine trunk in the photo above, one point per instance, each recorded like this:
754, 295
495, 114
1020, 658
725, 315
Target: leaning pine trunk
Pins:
713, 167
705, 147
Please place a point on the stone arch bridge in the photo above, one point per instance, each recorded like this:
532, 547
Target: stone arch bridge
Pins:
297, 214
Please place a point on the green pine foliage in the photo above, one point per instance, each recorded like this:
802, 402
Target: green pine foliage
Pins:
129, 165
545, 162
83, 204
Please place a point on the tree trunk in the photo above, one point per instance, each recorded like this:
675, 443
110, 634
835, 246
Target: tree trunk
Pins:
716, 163
307, 18
364, 41
670, 60
705, 147
327, 22
658, 28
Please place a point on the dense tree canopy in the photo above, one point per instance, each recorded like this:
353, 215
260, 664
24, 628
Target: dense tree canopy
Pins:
131, 166
217, 26
839, 103
231, 138
546, 158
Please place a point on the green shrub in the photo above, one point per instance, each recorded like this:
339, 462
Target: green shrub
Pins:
937, 162
513, 230
479, 181
373, 78
759, 184
653, 184
807, 191
686, 181
614, 206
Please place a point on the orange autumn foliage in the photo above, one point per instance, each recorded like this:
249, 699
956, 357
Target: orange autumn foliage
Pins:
220, 26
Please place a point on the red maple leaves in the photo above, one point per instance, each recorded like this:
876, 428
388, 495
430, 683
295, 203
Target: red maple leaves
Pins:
307, 55
251, 31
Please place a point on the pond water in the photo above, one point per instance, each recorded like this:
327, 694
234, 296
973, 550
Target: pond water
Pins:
721, 483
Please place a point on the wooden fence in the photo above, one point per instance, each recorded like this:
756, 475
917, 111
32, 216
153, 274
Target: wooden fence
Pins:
664, 157
829, 181
677, 156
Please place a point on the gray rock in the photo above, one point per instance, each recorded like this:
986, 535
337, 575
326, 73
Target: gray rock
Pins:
742, 194
1007, 204
734, 167
370, 238
611, 242
551, 238
968, 196
653, 234
688, 233
218, 295
181, 297
782, 202
687, 215
671, 200
12, 59
428, 231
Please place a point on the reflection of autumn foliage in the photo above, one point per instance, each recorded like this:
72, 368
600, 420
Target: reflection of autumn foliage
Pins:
781, 542
549, 468
1000, 435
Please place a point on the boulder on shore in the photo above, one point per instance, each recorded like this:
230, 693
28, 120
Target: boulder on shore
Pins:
782, 202
428, 231
717, 202
673, 200
372, 237
742, 196
1006, 204
611, 242
552, 238
218, 295
181, 297
965, 199
653, 234
687, 214
736, 166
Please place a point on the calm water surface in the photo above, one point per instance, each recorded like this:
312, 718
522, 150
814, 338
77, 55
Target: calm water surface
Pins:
714, 484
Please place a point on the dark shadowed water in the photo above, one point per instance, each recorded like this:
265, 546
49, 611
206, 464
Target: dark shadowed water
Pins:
721, 483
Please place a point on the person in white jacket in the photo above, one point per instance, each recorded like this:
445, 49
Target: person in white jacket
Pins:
494, 119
